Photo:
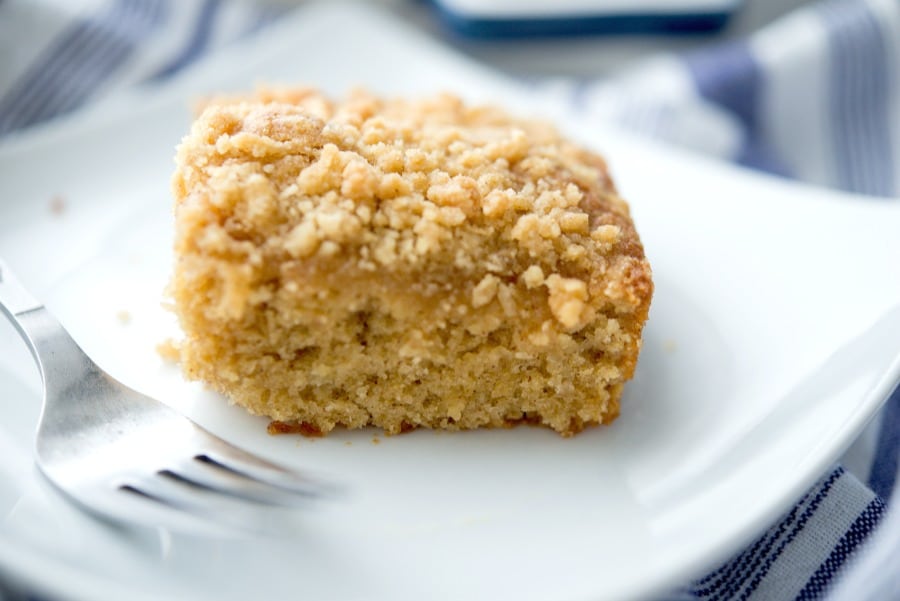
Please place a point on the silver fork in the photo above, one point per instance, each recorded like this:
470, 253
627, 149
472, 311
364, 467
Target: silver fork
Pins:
120, 454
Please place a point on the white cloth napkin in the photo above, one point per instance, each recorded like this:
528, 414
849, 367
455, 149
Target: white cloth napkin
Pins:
815, 96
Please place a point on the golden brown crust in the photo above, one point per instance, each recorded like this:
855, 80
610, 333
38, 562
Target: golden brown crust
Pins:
403, 263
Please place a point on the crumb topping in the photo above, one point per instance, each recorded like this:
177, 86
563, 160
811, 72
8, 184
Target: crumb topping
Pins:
387, 186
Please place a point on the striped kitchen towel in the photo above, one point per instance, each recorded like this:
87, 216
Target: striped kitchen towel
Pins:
57, 55
815, 96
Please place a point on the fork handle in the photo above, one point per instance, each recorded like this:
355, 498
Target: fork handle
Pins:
14, 299
18, 305
59, 358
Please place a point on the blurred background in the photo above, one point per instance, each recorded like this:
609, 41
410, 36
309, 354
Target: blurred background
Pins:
593, 51
788, 87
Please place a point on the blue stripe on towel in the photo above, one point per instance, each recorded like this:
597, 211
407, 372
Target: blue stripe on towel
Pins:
91, 66
198, 42
814, 503
66, 50
729, 76
859, 96
78, 61
883, 473
822, 579
729, 577
741, 576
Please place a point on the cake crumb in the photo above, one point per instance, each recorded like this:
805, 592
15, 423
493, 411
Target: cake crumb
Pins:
124, 316
533, 276
169, 350
57, 205
485, 291
568, 300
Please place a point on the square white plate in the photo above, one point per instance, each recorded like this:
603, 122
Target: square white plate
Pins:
774, 336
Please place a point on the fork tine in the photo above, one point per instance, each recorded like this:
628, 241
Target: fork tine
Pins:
133, 504
129, 505
229, 482
226, 457
205, 504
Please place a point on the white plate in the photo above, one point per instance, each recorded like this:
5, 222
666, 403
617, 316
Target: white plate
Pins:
773, 338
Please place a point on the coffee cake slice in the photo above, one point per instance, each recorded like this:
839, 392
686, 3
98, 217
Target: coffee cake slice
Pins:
402, 264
